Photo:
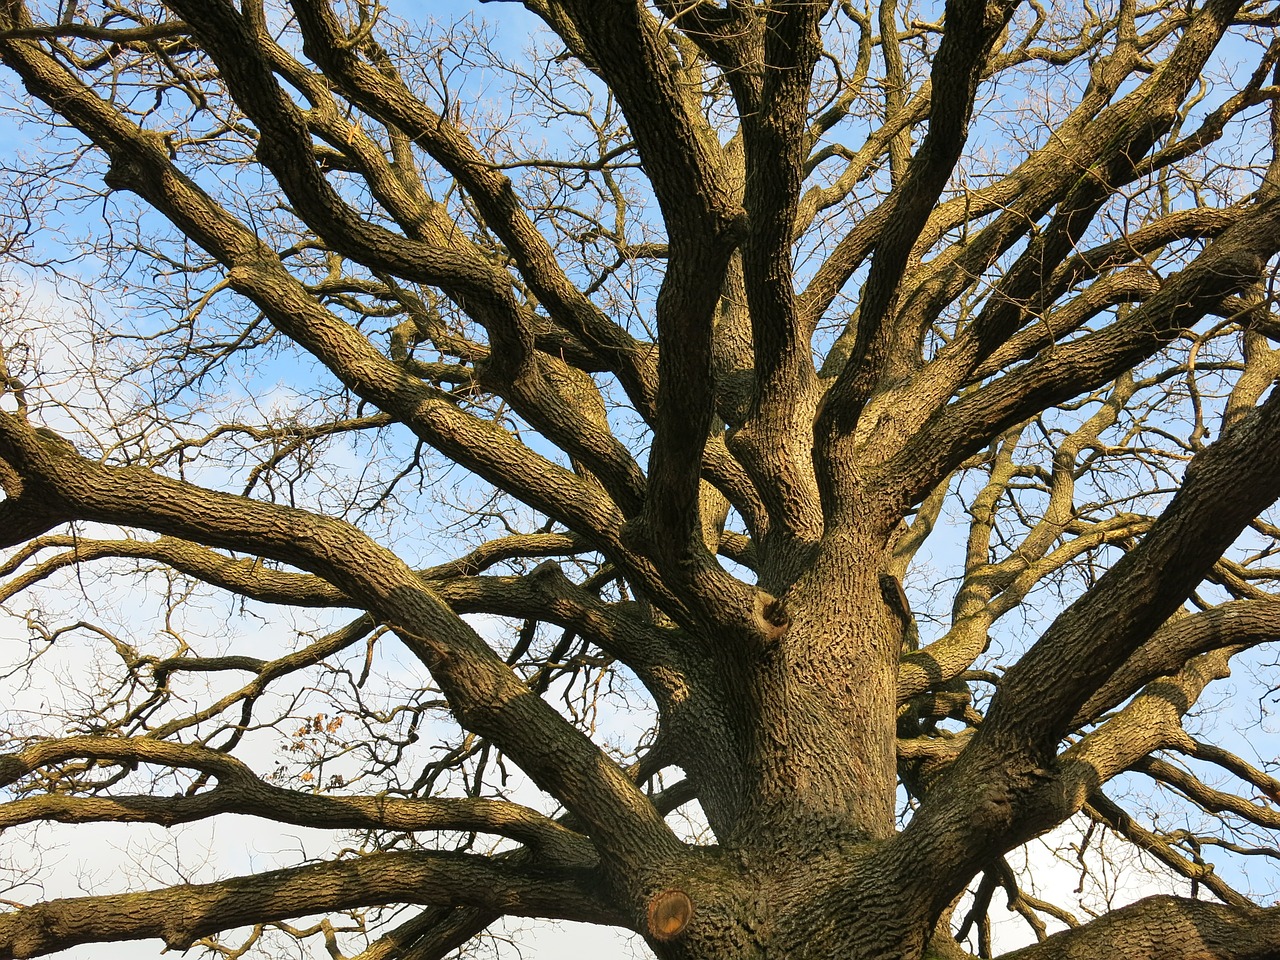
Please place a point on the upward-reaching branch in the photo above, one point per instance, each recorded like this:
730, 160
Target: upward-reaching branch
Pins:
378, 89
973, 27
1231, 263
773, 97
702, 214
1001, 782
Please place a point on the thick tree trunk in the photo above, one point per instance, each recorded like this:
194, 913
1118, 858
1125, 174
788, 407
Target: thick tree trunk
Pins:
793, 747
798, 772
837, 905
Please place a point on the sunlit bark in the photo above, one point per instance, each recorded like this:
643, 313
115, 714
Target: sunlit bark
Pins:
878, 401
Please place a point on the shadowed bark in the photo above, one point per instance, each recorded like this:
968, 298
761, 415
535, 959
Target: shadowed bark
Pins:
753, 474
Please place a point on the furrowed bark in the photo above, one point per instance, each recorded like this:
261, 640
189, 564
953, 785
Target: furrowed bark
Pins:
776, 438
484, 692
1166, 928
995, 787
182, 915
973, 26
523, 334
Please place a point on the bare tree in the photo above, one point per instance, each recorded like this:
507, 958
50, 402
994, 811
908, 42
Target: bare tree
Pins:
870, 402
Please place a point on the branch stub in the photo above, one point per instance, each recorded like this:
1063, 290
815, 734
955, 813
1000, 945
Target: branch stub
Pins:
669, 914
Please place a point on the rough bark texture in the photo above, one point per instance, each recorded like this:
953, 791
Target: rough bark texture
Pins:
692, 395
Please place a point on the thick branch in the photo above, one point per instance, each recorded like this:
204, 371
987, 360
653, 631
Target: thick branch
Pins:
251, 578
181, 915
384, 95
483, 691
703, 217
1229, 264
22, 518
1166, 928
776, 439
1094, 637
992, 794
240, 791
1242, 623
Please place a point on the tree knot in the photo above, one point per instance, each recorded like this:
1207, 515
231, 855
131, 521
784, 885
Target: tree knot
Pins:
772, 617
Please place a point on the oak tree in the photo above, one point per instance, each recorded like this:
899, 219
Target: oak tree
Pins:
758, 464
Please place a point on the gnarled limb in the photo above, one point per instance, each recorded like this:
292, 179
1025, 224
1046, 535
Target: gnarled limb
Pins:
181, 915
239, 790
486, 695
1166, 928
1229, 264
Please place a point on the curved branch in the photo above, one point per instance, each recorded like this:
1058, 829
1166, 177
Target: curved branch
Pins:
1150, 722
250, 578
1094, 637
239, 790
1102, 809
183, 914
1242, 623
992, 794
384, 95
265, 672
547, 594
990, 590
483, 691
1229, 264
140, 163
1207, 798
1166, 928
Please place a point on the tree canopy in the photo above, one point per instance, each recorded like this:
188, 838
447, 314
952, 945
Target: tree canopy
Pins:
735, 471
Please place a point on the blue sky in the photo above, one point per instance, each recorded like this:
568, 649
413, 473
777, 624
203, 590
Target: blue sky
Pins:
514, 26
